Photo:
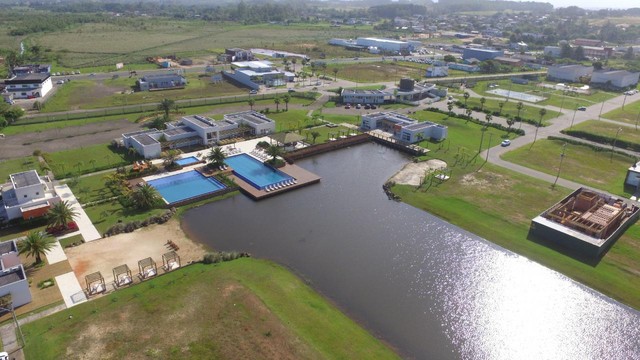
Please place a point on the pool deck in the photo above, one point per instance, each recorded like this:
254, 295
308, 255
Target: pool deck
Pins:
303, 177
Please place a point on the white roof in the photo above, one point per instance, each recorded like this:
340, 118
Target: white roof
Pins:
253, 64
390, 41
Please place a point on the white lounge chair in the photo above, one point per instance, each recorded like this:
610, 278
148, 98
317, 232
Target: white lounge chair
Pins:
295, 181
267, 189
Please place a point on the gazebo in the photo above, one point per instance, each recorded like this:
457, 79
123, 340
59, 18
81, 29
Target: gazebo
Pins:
287, 139
170, 261
95, 283
147, 268
122, 275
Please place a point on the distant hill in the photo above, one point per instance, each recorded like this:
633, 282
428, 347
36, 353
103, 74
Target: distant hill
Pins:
493, 5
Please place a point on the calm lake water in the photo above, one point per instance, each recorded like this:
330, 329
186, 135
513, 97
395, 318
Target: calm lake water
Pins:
431, 289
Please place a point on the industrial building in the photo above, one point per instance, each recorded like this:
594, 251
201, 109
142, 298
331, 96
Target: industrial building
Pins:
255, 73
585, 222
615, 79
377, 45
29, 85
481, 54
571, 73
163, 81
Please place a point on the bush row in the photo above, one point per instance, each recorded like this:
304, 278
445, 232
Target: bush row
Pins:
134, 225
461, 105
479, 122
602, 139
221, 256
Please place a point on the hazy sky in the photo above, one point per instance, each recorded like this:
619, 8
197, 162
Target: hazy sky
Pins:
595, 4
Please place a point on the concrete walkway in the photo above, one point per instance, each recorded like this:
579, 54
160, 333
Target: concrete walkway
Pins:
56, 254
88, 231
70, 289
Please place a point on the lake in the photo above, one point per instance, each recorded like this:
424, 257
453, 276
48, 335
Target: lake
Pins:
430, 289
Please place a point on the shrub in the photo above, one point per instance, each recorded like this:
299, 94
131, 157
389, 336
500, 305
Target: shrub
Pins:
134, 225
221, 256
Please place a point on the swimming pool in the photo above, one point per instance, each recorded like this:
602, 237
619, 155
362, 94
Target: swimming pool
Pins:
185, 185
254, 172
187, 161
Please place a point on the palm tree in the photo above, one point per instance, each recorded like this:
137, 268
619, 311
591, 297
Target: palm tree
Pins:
450, 107
146, 197
303, 75
36, 244
324, 69
294, 61
466, 96
519, 106
488, 117
286, 98
482, 101
61, 214
166, 105
170, 156
216, 157
313, 68
542, 113
314, 135
500, 106
251, 103
510, 122
335, 73
274, 151
276, 101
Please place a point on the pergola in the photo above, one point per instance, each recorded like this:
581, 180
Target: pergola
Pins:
122, 275
95, 283
286, 138
170, 261
147, 268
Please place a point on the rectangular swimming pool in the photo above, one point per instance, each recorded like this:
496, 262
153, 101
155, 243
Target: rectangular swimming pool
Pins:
254, 172
187, 161
185, 185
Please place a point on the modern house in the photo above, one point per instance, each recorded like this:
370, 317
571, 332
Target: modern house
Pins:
615, 79
13, 279
29, 86
481, 54
354, 96
402, 127
164, 81
571, 73
236, 54
255, 73
198, 130
585, 222
27, 196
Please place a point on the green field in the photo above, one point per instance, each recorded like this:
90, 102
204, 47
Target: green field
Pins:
630, 114
370, 72
610, 131
87, 159
510, 107
254, 309
581, 164
324, 133
557, 98
12, 166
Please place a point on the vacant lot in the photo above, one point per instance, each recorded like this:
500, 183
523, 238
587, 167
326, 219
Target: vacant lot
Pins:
374, 72
244, 309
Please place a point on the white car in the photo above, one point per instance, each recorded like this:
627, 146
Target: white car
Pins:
4, 355
505, 143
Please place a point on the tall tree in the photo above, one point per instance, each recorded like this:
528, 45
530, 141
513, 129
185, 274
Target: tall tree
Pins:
36, 244
274, 151
166, 105
482, 101
286, 98
466, 96
61, 214
216, 157
519, 106
251, 102
276, 101
335, 73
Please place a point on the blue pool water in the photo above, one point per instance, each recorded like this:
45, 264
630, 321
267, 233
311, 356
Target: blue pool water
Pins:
185, 186
254, 172
187, 161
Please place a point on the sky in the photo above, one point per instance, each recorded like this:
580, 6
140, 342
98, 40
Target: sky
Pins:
595, 4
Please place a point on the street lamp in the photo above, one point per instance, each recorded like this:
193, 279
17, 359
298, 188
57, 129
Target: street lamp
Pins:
574, 116
564, 147
601, 107
614, 143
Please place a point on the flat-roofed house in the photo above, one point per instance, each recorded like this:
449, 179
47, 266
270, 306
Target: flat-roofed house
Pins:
161, 81
13, 279
29, 85
355, 96
402, 127
27, 196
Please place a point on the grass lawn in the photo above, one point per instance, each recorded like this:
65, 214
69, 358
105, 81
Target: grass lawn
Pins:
607, 129
293, 119
76, 239
374, 72
630, 114
581, 164
12, 166
23, 127
254, 309
338, 119
325, 133
498, 205
90, 188
86, 160
510, 107
554, 97
107, 214
88, 94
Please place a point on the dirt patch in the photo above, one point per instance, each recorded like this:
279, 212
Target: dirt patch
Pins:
71, 137
98, 91
105, 254
414, 173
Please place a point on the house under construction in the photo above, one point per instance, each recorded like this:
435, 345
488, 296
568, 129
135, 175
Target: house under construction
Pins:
585, 221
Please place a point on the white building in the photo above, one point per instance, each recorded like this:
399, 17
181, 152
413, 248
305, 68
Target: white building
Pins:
27, 196
256, 73
198, 130
619, 79
437, 71
28, 86
13, 279
403, 128
385, 44
571, 73
354, 96
161, 81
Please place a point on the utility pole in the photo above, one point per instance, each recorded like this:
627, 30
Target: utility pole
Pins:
488, 147
574, 116
601, 107
564, 147
614, 143
624, 100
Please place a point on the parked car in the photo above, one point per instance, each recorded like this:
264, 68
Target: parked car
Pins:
92, 74
253, 92
505, 143
60, 82
367, 106
358, 106
373, 106
582, 108
290, 90
348, 106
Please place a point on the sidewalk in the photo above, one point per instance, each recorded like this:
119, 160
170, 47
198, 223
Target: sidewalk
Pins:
88, 231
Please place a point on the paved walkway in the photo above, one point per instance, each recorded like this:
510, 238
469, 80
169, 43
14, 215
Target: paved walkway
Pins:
56, 254
88, 231
70, 289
